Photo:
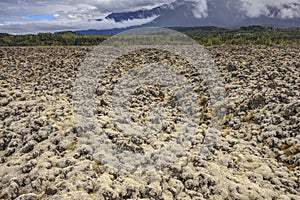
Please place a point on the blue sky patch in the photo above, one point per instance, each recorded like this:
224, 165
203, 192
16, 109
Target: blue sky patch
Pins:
41, 17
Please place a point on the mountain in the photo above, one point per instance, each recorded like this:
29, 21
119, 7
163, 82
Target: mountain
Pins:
189, 13
140, 14
105, 31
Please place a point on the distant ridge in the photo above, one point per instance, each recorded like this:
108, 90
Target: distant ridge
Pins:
184, 29
104, 32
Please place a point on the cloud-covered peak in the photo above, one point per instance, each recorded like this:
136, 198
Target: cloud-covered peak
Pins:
24, 16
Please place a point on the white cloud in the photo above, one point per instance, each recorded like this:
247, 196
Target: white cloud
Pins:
257, 8
292, 12
201, 8
69, 14
56, 26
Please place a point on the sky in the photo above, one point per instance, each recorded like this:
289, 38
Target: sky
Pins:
32, 16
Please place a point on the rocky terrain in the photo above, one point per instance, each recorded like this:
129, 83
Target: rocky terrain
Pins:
254, 155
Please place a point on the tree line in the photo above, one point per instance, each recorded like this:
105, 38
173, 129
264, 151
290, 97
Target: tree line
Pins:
252, 35
49, 39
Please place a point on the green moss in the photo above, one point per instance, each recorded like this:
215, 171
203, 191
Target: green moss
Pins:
291, 167
202, 101
225, 133
283, 147
290, 151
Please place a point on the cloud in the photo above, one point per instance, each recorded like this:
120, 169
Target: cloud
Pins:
292, 12
270, 8
201, 9
56, 26
15, 15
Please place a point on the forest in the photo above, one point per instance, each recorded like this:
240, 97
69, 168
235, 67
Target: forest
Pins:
208, 36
